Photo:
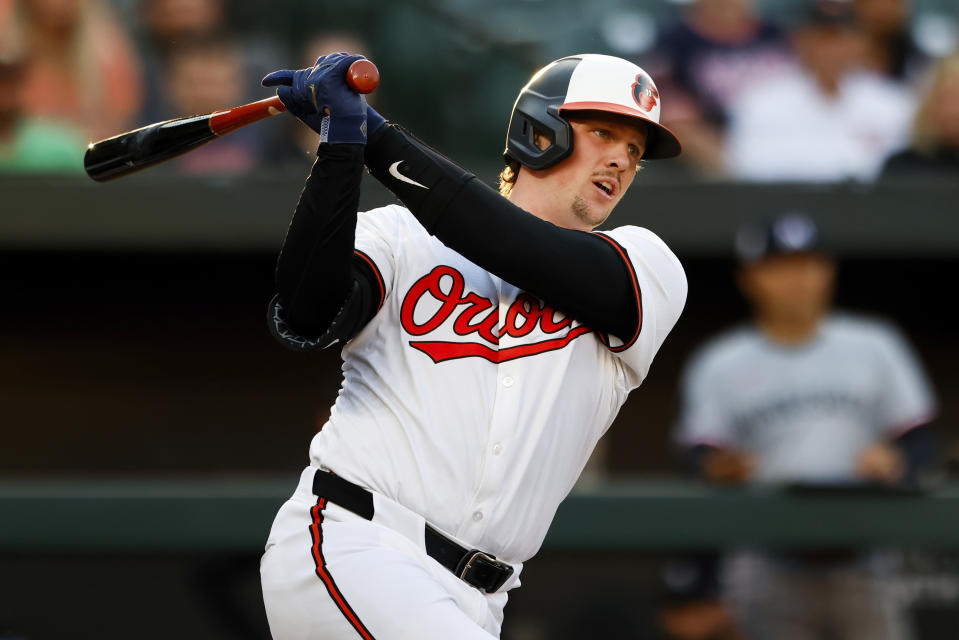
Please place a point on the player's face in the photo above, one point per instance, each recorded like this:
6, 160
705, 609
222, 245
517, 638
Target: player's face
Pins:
790, 287
584, 188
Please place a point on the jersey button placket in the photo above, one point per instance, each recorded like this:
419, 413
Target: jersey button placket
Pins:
501, 421
493, 470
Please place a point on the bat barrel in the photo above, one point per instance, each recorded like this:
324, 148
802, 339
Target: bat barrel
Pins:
145, 147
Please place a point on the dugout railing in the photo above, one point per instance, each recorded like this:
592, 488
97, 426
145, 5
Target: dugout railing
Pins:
224, 515
163, 211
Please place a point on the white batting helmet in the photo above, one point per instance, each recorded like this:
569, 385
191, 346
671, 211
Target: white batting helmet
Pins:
585, 82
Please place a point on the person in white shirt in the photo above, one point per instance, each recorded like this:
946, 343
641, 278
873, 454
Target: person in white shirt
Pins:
827, 120
488, 343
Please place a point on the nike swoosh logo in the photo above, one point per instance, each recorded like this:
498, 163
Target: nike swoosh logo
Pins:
395, 172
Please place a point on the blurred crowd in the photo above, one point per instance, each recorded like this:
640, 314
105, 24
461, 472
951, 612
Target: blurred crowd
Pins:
843, 93
72, 72
838, 90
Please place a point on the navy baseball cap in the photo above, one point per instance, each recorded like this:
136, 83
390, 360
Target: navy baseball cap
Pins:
788, 233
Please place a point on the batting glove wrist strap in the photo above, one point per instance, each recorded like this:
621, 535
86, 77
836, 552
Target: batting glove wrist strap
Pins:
373, 120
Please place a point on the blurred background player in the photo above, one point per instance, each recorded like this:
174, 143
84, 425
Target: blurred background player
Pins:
830, 119
804, 396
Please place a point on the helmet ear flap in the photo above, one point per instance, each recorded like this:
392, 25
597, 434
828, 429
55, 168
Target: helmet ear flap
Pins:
535, 114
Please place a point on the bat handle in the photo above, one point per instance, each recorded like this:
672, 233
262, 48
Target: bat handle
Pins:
223, 122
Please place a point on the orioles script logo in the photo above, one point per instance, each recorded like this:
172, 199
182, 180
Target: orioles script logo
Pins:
478, 317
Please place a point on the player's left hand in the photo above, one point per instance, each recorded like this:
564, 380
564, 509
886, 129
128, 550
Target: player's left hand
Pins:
881, 462
321, 98
729, 467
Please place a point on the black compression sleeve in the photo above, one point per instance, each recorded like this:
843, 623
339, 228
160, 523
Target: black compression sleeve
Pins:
583, 274
315, 268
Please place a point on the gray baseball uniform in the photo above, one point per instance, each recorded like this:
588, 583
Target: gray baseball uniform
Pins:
806, 412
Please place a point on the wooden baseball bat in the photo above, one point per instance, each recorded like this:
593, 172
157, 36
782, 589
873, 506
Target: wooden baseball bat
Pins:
155, 143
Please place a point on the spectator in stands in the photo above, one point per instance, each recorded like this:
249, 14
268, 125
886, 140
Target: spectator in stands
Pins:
168, 21
804, 396
717, 50
890, 48
826, 121
80, 66
934, 150
172, 25
206, 74
28, 144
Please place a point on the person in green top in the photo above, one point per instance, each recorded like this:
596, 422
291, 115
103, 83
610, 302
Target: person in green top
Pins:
28, 144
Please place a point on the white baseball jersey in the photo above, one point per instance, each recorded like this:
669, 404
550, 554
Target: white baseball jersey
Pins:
473, 403
806, 411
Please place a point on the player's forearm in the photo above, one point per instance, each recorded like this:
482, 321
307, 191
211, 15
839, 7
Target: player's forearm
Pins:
313, 271
574, 271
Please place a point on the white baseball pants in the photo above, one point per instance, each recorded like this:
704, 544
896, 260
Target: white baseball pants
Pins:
328, 573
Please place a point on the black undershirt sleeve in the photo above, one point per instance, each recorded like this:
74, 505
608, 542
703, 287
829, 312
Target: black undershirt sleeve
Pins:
324, 292
918, 449
579, 273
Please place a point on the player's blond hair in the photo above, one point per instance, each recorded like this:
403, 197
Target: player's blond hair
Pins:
507, 178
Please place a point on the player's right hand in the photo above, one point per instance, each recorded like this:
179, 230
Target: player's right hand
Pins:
321, 98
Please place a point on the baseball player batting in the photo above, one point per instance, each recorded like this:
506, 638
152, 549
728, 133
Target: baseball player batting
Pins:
487, 341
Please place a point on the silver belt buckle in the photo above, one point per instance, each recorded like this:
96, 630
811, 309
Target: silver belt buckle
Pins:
469, 563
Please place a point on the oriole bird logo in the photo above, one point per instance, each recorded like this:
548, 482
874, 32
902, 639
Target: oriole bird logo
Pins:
644, 92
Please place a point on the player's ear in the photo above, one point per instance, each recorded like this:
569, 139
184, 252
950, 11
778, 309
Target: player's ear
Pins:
541, 140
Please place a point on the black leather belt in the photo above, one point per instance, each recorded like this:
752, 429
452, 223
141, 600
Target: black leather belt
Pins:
479, 569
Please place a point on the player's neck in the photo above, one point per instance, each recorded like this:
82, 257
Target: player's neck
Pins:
528, 198
790, 331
